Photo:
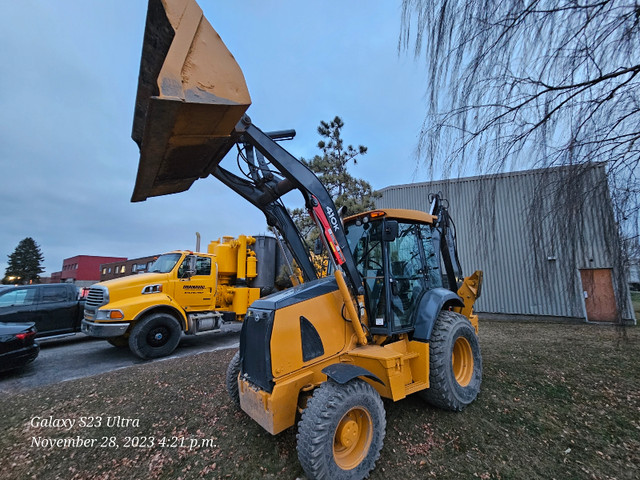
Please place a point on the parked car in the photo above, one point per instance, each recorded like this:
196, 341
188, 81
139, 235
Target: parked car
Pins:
17, 345
56, 309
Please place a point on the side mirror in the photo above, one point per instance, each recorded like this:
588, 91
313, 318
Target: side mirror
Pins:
318, 246
191, 266
390, 231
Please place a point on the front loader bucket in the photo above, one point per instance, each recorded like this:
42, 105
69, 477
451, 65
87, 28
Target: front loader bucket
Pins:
191, 94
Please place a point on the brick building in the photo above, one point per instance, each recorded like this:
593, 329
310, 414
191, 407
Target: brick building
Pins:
123, 267
83, 270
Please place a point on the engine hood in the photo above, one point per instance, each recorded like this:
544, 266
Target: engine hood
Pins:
132, 285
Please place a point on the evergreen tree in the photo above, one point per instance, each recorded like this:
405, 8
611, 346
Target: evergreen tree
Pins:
354, 194
24, 263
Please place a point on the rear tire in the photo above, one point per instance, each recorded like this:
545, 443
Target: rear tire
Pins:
455, 363
233, 370
120, 342
341, 431
155, 336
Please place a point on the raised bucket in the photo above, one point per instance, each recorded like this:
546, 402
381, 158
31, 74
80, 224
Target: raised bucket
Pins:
191, 94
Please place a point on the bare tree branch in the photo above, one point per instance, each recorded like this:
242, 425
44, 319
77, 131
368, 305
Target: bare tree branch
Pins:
516, 84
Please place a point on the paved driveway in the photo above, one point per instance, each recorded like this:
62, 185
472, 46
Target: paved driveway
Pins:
81, 356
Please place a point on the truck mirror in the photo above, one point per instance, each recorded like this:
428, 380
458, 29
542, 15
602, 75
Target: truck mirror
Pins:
390, 231
318, 246
191, 266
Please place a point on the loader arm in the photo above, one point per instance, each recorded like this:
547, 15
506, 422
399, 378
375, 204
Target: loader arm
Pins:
267, 186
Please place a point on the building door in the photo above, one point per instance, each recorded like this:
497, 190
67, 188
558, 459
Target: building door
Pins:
599, 299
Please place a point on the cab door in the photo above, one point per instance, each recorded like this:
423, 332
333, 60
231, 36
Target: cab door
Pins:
196, 292
406, 276
393, 271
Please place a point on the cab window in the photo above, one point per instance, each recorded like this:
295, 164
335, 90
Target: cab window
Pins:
54, 294
366, 244
203, 266
433, 272
18, 297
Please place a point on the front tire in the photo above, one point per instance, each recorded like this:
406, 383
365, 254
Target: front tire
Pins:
455, 363
341, 431
233, 370
155, 336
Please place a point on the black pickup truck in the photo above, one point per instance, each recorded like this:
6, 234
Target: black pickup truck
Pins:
56, 309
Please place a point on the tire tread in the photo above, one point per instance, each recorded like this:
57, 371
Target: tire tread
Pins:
146, 352
443, 391
233, 370
316, 429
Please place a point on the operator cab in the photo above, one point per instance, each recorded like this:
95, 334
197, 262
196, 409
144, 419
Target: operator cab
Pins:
397, 253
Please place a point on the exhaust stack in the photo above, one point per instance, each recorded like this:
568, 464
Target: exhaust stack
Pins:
191, 94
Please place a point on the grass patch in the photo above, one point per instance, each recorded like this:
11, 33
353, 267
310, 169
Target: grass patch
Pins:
557, 401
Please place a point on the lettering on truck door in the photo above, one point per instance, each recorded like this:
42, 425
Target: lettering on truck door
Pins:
198, 291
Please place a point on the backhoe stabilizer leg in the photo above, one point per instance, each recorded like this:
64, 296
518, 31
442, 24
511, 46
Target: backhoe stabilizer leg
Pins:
469, 292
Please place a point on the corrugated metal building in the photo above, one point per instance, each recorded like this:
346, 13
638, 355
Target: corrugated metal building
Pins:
546, 240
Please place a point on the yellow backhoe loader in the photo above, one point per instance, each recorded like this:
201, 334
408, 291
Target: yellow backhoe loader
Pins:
393, 318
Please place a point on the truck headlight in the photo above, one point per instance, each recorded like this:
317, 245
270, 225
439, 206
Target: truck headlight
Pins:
157, 288
109, 315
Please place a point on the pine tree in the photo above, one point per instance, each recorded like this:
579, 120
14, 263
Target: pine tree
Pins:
354, 194
24, 263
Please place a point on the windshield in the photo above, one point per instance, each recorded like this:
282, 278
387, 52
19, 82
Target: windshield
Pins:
165, 263
365, 241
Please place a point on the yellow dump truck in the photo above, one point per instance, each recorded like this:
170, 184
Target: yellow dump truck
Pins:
183, 291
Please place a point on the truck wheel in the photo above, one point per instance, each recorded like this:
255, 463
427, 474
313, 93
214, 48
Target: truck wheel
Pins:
341, 431
120, 342
455, 370
155, 336
233, 370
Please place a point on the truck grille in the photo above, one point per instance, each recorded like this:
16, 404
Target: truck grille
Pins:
255, 348
97, 296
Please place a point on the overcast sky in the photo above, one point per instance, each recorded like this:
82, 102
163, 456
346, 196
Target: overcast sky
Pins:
67, 92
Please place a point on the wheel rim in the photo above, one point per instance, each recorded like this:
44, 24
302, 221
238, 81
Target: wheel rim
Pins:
158, 336
462, 361
352, 439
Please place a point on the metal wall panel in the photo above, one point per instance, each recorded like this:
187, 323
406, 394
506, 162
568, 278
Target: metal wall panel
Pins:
530, 232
